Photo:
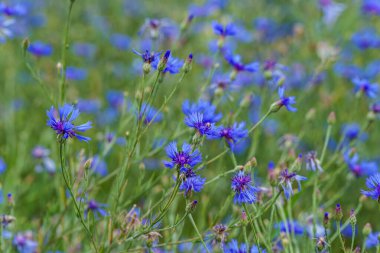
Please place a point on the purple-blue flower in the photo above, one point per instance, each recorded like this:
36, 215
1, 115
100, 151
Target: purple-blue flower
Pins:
203, 107
223, 31
44, 162
365, 39
372, 240
147, 56
96, 208
245, 192
120, 41
371, 90
236, 62
24, 242
173, 65
371, 7
5, 29
99, 166
182, 158
234, 133
373, 185
286, 180
203, 127
62, 122
39, 48
312, 161
364, 168
3, 165
77, 74
89, 106
191, 182
292, 227
233, 247
149, 114
284, 101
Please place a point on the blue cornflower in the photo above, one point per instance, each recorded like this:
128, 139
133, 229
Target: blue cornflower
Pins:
234, 133
205, 108
62, 123
99, 166
372, 240
360, 168
245, 192
86, 50
364, 86
371, 7
351, 131
5, 29
233, 247
147, 56
3, 166
203, 127
236, 62
44, 162
115, 99
76, 74
148, 112
375, 107
182, 158
15, 10
223, 31
312, 162
39, 48
331, 11
192, 182
173, 65
290, 226
286, 179
365, 39
120, 41
24, 242
373, 184
89, 106
96, 208
284, 101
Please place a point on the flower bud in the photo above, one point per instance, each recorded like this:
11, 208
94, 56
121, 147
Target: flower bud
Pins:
191, 206
146, 68
163, 61
25, 45
326, 220
338, 212
353, 218
244, 219
187, 65
367, 229
331, 119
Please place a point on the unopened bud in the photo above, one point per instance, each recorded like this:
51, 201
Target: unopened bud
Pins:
146, 68
331, 119
246, 101
310, 115
187, 65
367, 229
191, 206
25, 45
326, 220
338, 212
163, 61
244, 219
353, 218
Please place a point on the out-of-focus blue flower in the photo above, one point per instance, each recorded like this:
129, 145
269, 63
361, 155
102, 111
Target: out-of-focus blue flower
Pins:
347, 71
373, 239
312, 162
223, 31
236, 62
99, 166
44, 162
373, 185
365, 39
351, 131
39, 48
245, 192
182, 158
286, 180
115, 99
173, 65
162, 29
77, 74
17, 9
120, 41
90, 106
24, 242
364, 86
86, 50
371, 7
285, 101
203, 107
5, 29
290, 226
96, 208
375, 107
331, 11
3, 165
62, 122
233, 247
149, 114
364, 168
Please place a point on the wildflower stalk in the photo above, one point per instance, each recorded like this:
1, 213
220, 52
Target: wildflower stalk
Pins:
327, 138
346, 223
340, 235
73, 197
63, 55
260, 121
223, 175
352, 238
245, 236
253, 227
197, 231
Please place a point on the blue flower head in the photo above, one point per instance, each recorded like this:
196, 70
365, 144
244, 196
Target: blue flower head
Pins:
90, 106
245, 192
39, 48
147, 56
182, 158
372, 240
99, 166
96, 208
286, 180
312, 161
173, 65
223, 31
233, 247
351, 131
197, 121
203, 107
62, 123
3, 165
234, 133
371, 7
373, 185
365, 39
192, 183
24, 242
284, 101
371, 90
236, 62
363, 168
120, 41
86, 50
293, 227
5, 29
149, 114
76, 74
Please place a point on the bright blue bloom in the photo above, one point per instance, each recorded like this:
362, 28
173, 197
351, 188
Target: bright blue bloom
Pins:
14, 10
373, 184
286, 101
86, 50
147, 56
173, 65
351, 131
365, 39
77, 74
205, 108
245, 192
371, 90
3, 165
149, 113
292, 227
62, 122
39, 48
197, 121
236, 62
96, 208
223, 31
192, 182
364, 168
99, 166
233, 247
182, 158
286, 180
373, 239
24, 242
120, 41
371, 7
90, 106
234, 133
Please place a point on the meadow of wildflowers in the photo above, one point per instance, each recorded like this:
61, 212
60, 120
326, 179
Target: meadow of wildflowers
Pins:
190, 126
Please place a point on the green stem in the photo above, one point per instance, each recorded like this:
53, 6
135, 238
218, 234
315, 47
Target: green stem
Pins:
260, 121
252, 226
245, 237
197, 231
340, 236
352, 238
327, 138
357, 210
64, 50
73, 197
223, 175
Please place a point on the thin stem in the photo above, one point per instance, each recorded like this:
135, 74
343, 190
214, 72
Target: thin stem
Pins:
345, 224
68, 185
340, 235
352, 238
252, 226
223, 175
327, 138
260, 121
245, 236
197, 231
